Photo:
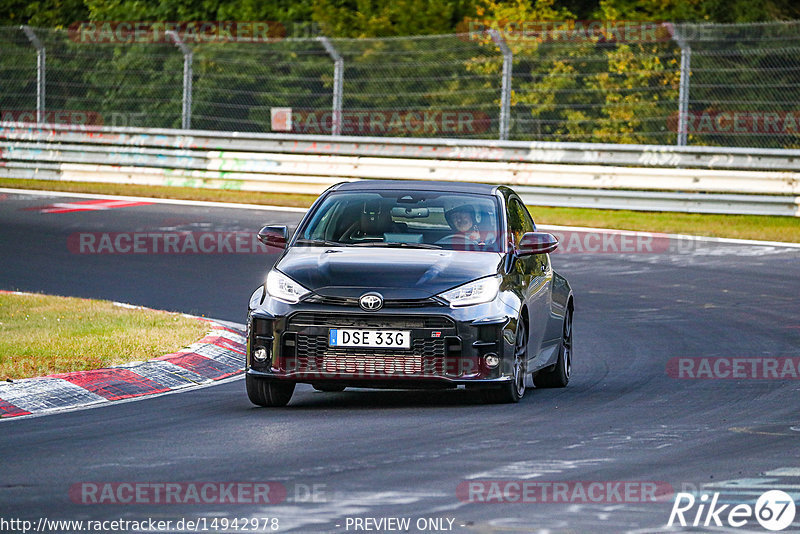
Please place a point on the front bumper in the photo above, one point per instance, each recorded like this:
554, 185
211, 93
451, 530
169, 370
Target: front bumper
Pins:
448, 345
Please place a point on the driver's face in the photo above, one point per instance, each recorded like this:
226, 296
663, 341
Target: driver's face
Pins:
462, 220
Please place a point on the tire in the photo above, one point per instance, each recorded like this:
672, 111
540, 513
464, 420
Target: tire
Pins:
558, 377
328, 388
514, 390
263, 392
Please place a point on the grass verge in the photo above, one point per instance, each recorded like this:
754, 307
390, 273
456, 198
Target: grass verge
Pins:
152, 191
43, 334
760, 227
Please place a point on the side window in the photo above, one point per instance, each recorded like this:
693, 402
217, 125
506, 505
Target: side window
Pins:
519, 220
530, 226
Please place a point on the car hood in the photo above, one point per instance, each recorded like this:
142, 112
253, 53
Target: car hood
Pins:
395, 273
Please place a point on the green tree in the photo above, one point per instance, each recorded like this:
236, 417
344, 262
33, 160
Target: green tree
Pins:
370, 18
575, 83
699, 10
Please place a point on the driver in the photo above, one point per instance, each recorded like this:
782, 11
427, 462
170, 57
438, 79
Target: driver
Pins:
463, 221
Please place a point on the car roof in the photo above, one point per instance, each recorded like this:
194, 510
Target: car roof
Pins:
418, 185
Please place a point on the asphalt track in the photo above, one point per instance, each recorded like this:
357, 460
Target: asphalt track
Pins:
403, 454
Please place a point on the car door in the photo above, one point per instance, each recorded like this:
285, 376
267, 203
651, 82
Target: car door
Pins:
534, 275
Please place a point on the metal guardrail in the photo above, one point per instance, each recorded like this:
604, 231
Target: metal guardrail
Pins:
636, 177
661, 201
460, 149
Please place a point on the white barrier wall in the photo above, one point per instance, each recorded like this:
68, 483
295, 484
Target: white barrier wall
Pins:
705, 180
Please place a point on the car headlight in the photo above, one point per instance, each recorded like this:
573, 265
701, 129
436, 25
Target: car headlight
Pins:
475, 292
283, 288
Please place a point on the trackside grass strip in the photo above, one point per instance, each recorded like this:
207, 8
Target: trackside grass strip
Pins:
759, 227
163, 191
42, 334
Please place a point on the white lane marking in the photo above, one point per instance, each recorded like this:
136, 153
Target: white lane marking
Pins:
303, 210
656, 438
535, 468
202, 203
784, 472
685, 237
90, 205
761, 484
127, 306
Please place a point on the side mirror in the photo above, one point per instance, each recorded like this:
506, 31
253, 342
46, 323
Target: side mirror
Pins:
536, 243
274, 236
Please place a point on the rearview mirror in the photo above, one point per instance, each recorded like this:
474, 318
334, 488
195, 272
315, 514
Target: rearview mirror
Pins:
536, 243
274, 236
410, 213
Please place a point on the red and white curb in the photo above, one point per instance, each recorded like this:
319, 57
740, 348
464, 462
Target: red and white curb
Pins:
218, 355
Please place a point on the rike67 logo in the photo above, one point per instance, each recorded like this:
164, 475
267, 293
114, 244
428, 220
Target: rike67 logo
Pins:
774, 510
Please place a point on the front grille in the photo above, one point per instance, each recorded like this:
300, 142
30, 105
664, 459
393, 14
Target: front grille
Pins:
426, 358
388, 303
311, 319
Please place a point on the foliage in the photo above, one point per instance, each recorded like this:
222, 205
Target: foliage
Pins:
378, 18
567, 85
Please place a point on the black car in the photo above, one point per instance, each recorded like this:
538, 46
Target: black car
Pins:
406, 284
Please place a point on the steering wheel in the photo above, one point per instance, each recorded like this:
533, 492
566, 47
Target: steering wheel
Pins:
452, 239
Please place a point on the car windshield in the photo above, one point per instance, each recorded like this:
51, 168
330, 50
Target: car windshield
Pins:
413, 219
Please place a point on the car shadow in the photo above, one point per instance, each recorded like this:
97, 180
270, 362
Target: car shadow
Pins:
370, 399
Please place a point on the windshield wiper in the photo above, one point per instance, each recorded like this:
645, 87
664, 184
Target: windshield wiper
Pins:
399, 244
321, 242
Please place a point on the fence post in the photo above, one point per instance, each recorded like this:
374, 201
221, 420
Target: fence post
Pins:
683, 96
683, 88
41, 59
338, 84
505, 90
186, 109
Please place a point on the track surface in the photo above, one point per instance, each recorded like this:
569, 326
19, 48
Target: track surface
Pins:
403, 454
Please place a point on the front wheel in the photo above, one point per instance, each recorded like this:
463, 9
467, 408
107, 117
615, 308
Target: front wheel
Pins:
558, 377
513, 390
263, 392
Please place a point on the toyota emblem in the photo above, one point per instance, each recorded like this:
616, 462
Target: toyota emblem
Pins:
371, 302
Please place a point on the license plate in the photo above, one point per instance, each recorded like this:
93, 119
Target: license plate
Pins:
346, 337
